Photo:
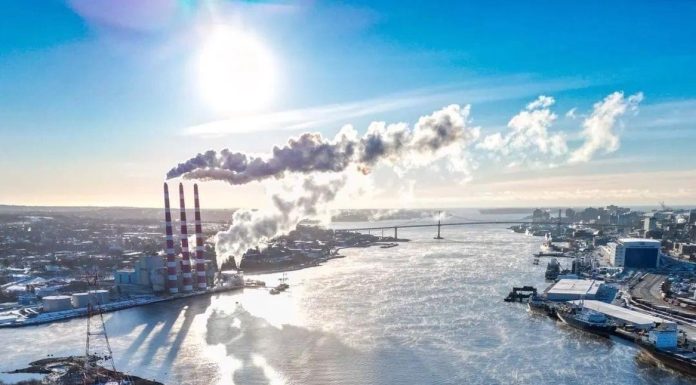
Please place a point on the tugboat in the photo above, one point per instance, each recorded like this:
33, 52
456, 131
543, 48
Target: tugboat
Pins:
661, 345
282, 286
537, 304
553, 269
586, 320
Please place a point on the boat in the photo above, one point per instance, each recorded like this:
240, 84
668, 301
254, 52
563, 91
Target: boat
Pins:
537, 304
274, 291
681, 360
586, 320
662, 345
283, 283
546, 246
553, 269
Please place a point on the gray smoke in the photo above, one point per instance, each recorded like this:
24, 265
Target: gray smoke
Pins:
310, 152
312, 155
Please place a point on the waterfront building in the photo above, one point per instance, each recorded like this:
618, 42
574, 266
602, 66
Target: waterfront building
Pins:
573, 289
148, 273
634, 253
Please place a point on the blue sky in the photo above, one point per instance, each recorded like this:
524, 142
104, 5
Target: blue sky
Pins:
98, 101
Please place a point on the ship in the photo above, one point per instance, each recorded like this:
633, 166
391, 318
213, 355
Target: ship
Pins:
553, 269
676, 359
662, 346
586, 320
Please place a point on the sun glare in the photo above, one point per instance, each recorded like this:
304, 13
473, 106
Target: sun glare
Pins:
235, 72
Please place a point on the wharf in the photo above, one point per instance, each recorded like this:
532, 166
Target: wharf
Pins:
556, 254
44, 318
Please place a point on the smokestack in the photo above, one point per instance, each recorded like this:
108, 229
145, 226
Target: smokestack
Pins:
185, 257
171, 259
200, 262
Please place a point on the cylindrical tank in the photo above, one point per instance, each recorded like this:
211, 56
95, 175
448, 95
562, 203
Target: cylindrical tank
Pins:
99, 297
80, 300
56, 303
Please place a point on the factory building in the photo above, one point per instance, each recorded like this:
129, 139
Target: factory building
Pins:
148, 272
171, 273
634, 253
180, 269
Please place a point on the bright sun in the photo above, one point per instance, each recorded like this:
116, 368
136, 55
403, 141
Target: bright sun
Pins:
235, 72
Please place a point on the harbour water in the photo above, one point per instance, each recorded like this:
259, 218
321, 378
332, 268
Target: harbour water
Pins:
425, 312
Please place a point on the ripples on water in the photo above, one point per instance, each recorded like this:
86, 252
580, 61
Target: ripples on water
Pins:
425, 312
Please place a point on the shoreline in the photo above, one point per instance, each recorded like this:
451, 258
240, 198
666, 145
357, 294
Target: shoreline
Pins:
59, 316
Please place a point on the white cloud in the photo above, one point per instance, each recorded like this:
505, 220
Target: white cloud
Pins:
542, 101
598, 129
571, 113
529, 132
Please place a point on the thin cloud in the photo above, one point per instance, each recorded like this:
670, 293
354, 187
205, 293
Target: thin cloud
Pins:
339, 113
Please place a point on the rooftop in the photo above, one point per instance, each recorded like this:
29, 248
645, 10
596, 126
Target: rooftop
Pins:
575, 287
627, 315
639, 240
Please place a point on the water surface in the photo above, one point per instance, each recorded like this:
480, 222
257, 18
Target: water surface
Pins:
425, 312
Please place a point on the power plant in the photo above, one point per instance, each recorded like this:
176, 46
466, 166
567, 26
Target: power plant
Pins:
172, 281
179, 276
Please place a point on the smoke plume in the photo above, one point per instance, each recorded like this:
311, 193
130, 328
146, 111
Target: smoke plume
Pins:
310, 152
252, 228
325, 164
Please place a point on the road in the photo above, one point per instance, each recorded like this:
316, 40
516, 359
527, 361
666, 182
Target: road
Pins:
649, 289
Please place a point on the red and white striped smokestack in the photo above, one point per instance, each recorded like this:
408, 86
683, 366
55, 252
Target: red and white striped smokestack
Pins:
185, 256
200, 261
172, 285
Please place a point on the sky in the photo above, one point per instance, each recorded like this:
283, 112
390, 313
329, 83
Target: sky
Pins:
570, 103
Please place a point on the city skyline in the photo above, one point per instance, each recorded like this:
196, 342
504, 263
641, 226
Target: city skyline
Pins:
100, 106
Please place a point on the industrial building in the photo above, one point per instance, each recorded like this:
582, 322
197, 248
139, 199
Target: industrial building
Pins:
633, 253
573, 289
171, 273
148, 272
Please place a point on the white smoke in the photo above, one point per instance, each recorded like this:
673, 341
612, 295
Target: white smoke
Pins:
325, 166
291, 204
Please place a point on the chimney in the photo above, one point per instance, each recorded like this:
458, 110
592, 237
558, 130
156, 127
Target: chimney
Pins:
171, 259
185, 257
200, 261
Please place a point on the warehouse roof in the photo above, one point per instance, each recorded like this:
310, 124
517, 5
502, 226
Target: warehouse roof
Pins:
575, 287
626, 315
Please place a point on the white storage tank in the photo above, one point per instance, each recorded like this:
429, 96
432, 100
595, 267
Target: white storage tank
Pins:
80, 300
56, 303
99, 297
